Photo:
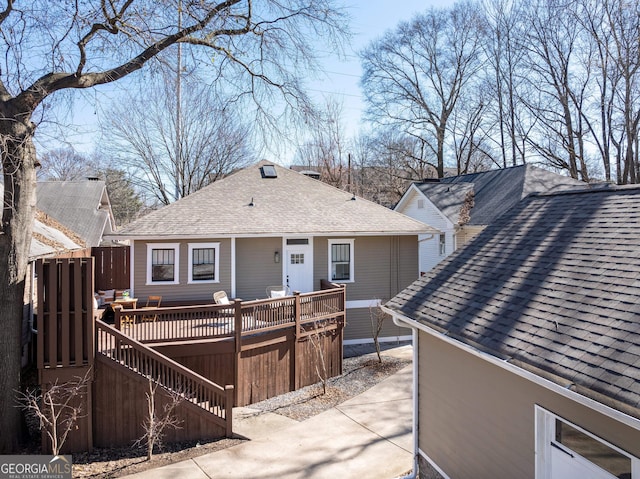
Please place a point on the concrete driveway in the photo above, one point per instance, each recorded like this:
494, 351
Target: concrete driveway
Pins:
368, 436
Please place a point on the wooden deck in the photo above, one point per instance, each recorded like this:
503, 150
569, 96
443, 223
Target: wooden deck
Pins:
211, 321
214, 356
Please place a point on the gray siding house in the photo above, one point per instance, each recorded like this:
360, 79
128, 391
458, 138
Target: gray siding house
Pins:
267, 225
527, 343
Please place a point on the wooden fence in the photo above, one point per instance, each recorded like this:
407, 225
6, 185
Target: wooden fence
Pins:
112, 267
65, 342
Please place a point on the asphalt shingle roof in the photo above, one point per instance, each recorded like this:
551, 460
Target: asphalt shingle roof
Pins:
495, 191
553, 285
291, 203
76, 205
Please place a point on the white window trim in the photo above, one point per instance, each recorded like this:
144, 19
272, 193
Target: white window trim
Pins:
352, 257
176, 266
544, 432
216, 273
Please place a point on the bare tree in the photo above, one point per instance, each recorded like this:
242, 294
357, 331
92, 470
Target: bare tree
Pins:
556, 87
414, 76
58, 408
64, 164
168, 162
253, 48
327, 148
502, 27
156, 422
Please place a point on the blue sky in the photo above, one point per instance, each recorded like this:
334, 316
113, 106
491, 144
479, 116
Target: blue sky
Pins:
370, 19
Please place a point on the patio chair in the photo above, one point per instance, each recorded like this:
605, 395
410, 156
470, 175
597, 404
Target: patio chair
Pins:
153, 302
279, 291
220, 297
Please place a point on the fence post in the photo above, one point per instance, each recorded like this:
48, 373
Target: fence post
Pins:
228, 409
237, 313
117, 316
295, 349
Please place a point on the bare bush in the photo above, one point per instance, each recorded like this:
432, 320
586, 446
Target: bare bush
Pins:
377, 317
58, 409
156, 423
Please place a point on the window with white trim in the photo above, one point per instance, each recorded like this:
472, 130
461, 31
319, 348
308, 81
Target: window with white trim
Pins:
341, 267
442, 244
566, 449
204, 262
163, 263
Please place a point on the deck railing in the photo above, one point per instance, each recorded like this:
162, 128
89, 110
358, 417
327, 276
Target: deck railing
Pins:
219, 321
135, 356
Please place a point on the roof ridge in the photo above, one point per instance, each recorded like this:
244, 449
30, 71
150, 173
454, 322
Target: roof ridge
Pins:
589, 188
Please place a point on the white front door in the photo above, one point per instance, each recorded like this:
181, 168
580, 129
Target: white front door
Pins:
298, 267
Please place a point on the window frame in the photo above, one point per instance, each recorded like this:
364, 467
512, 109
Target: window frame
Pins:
216, 258
176, 262
351, 243
545, 430
442, 244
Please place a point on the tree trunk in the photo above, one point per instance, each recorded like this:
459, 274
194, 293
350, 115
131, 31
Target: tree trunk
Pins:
19, 163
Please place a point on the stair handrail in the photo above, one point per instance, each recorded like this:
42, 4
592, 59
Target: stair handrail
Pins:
170, 374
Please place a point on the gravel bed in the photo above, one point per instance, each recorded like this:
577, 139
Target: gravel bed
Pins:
359, 374
361, 370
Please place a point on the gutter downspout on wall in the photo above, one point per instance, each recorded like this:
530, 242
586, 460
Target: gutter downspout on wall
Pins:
414, 376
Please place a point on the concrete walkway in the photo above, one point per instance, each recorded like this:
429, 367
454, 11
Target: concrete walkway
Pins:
368, 436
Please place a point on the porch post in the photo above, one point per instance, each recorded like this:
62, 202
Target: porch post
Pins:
237, 310
295, 350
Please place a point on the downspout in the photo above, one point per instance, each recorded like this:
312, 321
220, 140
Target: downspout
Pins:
414, 376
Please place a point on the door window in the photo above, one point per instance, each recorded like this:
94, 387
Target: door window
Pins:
567, 451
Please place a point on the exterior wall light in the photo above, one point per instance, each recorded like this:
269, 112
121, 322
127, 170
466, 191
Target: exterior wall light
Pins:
276, 257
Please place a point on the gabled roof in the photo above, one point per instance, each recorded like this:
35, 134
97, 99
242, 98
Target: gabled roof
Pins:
494, 191
81, 206
552, 286
49, 237
248, 204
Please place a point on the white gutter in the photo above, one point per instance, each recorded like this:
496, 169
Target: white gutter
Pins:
615, 414
414, 379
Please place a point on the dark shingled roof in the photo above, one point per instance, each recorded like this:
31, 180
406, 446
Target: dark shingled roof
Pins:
495, 191
553, 286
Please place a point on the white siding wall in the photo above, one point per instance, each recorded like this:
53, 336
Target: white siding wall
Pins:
429, 252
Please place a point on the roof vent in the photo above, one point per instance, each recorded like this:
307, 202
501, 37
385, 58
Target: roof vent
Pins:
268, 171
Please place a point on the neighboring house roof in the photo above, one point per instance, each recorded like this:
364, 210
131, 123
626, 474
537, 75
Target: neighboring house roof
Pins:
494, 191
248, 204
552, 286
81, 206
50, 238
